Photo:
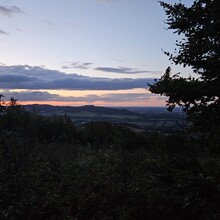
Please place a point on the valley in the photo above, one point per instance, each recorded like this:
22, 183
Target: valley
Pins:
137, 118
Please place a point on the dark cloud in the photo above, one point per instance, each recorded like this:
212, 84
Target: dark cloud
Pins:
15, 79
45, 96
28, 77
120, 69
3, 32
38, 96
77, 65
10, 10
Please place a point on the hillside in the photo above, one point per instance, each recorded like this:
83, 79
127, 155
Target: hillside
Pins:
77, 109
147, 118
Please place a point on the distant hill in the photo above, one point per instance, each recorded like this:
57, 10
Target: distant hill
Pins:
144, 118
87, 108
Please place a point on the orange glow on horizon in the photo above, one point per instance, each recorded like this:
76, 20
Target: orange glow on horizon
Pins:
151, 100
150, 103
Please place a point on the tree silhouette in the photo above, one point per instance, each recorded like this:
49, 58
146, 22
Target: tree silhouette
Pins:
199, 49
2, 103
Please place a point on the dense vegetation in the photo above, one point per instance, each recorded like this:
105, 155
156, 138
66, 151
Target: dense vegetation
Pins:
50, 169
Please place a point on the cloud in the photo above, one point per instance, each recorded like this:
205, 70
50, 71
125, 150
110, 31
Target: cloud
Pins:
3, 32
10, 10
120, 69
45, 96
117, 97
77, 65
38, 96
36, 77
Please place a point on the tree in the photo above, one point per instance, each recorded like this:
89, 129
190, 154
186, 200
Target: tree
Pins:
2, 103
13, 102
199, 49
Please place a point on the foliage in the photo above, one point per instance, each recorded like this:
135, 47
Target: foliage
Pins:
50, 169
199, 25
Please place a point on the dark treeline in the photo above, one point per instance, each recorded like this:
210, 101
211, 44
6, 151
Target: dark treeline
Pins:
50, 169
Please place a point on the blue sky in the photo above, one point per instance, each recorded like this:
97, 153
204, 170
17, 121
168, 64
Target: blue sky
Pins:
83, 40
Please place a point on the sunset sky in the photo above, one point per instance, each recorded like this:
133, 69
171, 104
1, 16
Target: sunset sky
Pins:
80, 52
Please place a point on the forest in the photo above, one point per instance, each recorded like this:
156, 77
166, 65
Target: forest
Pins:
51, 168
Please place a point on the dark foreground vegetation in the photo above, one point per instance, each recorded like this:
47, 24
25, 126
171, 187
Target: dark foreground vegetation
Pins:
50, 169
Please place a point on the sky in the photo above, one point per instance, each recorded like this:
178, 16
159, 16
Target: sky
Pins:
84, 52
